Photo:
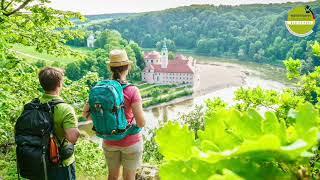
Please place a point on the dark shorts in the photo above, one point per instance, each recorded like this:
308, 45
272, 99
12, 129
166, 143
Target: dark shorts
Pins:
63, 173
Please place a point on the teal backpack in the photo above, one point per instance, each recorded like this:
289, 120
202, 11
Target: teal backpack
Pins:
106, 101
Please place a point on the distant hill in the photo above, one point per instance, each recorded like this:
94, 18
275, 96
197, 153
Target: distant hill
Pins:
100, 18
256, 32
107, 16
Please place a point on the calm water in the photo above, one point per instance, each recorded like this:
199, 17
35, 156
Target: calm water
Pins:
172, 112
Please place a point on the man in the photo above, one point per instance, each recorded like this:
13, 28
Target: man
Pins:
65, 122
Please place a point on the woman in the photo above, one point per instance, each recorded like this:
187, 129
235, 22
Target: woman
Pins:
126, 152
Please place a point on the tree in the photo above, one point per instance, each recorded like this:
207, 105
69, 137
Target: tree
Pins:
138, 54
171, 55
73, 71
169, 43
32, 23
219, 31
147, 41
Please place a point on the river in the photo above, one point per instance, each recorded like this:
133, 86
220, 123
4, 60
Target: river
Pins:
216, 80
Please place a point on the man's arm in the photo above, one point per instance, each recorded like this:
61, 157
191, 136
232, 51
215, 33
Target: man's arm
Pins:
70, 125
72, 134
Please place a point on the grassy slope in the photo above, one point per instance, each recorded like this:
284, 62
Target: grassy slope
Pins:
31, 55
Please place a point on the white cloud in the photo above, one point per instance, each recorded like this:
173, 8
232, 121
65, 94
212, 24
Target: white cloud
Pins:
120, 6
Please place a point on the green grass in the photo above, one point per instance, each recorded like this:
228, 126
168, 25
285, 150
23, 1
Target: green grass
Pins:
144, 86
31, 55
156, 94
83, 50
167, 97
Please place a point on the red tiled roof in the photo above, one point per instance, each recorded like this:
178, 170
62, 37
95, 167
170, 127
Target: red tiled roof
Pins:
152, 55
173, 67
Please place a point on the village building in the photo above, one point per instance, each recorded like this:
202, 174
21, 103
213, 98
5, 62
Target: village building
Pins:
160, 70
90, 41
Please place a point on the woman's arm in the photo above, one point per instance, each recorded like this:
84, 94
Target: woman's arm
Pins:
86, 112
138, 114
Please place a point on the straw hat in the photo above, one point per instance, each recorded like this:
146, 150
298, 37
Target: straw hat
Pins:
118, 58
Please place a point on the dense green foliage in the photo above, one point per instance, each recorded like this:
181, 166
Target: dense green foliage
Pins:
90, 160
47, 30
255, 32
37, 28
233, 142
89, 156
18, 87
307, 88
97, 60
233, 139
151, 153
8, 168
167, 97
214, 142
154, 91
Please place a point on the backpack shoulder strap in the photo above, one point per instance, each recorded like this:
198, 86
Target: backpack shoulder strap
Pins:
54, 103
124, 86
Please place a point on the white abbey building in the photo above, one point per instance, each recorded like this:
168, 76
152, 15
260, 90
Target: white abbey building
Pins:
90, 41
160, 70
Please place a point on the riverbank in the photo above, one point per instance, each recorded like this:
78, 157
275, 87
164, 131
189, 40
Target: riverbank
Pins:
217, 79
213, 77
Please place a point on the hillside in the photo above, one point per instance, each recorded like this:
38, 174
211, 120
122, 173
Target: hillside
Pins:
99, 18
107, 16
254, 32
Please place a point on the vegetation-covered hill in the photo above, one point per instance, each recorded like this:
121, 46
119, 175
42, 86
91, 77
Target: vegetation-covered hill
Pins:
221, 142
107, 16
254, 32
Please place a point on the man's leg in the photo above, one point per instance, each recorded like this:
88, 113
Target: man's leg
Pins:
58, 173
72, 171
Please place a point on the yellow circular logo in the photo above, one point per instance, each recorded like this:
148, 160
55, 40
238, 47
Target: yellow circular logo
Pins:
301, 21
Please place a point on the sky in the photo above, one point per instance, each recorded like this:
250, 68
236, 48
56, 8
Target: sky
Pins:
89, 7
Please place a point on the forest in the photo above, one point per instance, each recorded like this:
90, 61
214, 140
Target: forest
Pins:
265, 133
246, 32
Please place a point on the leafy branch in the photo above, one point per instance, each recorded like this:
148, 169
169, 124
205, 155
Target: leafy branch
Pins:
20, 7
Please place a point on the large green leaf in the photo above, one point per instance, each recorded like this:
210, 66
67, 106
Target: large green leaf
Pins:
215, 130
175, 142
306, 118
238, 141
186, 170
226, 174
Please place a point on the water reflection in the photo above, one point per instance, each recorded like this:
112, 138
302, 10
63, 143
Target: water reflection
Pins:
171, 112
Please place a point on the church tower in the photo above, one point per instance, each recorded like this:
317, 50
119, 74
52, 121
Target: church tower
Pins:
164, 56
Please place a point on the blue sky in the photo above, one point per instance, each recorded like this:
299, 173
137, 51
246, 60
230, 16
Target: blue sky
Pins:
121, 6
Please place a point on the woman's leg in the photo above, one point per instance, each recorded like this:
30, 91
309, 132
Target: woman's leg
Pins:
129, 174
131, 160
113, 173
113, 158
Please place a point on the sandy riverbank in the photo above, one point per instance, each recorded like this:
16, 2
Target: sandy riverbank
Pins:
215, 76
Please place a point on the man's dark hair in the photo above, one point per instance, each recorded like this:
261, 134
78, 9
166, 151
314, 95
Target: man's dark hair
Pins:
50, 78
